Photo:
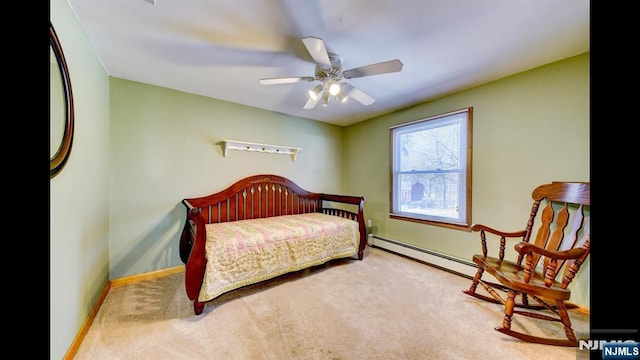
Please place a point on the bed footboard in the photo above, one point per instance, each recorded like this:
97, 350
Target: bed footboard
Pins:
356, 216
258, 196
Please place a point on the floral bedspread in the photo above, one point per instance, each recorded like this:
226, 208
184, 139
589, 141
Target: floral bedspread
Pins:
245, 252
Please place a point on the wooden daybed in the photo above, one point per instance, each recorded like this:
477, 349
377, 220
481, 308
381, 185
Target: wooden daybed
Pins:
261, 227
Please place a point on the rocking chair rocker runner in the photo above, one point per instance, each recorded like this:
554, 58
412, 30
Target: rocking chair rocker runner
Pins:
543, 269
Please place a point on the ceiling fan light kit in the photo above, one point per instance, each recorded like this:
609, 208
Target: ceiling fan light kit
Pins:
315, 92
329, 71
334, 88
329, 89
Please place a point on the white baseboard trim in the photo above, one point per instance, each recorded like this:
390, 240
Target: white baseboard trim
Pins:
439, 260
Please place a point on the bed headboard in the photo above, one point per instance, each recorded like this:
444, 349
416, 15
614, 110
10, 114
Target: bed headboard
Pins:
262, 196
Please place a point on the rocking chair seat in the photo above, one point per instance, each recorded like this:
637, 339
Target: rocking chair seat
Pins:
511, 275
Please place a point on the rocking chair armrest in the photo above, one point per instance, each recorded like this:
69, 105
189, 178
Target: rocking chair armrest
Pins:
514, 234
524, 248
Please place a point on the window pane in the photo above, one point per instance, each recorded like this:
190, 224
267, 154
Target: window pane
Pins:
430, 169
430, 194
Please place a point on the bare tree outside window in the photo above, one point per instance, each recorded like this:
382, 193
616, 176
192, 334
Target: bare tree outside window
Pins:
431, 168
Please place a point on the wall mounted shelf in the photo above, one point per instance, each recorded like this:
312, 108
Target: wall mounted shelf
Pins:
249, 146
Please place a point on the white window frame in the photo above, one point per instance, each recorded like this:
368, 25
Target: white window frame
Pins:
458, 215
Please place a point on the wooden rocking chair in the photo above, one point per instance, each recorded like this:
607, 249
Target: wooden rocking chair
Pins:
561, 246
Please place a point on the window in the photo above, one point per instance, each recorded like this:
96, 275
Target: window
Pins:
431, 170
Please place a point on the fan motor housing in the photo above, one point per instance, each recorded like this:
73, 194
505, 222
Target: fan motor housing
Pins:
335, 73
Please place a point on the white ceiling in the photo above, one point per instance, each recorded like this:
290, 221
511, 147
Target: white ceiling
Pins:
221, 48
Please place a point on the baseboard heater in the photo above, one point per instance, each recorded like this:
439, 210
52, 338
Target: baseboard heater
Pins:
442, 261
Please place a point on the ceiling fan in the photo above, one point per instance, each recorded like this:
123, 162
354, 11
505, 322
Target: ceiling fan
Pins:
329, 72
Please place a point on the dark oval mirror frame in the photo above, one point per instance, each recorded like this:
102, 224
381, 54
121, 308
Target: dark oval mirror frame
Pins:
60, 158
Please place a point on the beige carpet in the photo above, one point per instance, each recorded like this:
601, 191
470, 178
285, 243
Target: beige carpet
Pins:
383, 307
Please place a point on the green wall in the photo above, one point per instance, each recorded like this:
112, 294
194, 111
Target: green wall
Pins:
528, 129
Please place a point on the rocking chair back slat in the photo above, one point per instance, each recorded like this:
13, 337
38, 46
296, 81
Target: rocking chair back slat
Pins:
569, 240
544, 230
574, 266
545, 227
562, 218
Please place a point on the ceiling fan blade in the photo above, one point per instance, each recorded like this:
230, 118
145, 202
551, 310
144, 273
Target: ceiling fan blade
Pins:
285, 80
318, 51
373, 69
357, 94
